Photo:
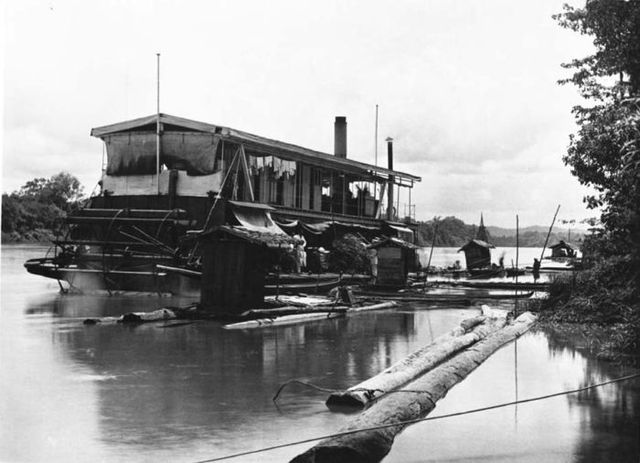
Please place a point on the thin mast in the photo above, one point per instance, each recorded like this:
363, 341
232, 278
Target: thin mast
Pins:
158, 123
375, 144
376, 137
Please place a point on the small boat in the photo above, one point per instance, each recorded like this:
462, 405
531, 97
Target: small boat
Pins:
512, 272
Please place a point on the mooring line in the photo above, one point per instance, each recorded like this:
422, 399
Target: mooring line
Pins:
418, 420
366, 390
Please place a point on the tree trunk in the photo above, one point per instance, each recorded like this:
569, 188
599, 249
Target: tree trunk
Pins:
418, 363
372, 446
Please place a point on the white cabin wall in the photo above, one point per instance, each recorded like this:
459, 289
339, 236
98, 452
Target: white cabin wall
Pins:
187, 185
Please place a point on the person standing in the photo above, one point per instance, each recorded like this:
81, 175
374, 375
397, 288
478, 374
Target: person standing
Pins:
536, 269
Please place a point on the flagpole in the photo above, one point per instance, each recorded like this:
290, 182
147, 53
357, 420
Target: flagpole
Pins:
158, 123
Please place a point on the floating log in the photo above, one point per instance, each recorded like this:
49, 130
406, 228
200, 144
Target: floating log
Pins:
299, 300
496, 285
416, 364
320, 313
292, 310
282, 321
462, 299
379, 306
372, 445
137, 317
417, 297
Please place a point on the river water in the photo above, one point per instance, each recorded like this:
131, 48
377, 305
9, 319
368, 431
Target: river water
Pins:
70, 392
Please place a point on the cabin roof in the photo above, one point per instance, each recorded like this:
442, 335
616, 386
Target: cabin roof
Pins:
564, 244
479, 243
392, 241
261, 206
255, 142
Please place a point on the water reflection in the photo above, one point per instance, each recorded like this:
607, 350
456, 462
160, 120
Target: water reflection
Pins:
122, 393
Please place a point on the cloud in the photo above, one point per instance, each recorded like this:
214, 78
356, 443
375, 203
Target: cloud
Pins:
467, 89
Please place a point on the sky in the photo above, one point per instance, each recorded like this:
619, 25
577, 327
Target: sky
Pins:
467, 89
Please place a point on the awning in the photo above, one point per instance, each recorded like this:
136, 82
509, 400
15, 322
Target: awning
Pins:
255, 217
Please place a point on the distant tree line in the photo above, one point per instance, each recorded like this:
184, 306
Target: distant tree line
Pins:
37, 210
453, 232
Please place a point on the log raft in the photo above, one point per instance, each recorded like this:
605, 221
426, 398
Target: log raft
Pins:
297, 315
469, 332
394, 409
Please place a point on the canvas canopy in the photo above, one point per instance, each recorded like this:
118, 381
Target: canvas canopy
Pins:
134, 153
255, 217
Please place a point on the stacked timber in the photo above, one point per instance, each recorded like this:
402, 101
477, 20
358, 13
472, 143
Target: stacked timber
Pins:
388, 416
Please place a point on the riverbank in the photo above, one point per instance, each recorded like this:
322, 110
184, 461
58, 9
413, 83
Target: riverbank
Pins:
37, 236
603, 302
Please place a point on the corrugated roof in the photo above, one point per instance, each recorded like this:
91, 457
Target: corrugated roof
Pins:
258, 143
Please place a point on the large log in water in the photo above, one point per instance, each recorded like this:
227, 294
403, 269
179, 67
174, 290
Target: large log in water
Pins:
416, 364
373, 445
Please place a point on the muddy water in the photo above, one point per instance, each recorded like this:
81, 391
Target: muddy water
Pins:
70, 392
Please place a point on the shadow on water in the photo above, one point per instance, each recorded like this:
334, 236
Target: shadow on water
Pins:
610, 413
200, 381
198, 391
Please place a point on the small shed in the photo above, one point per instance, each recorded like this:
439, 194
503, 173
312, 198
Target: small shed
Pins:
563, 249
477, 254
395, 259
235, 263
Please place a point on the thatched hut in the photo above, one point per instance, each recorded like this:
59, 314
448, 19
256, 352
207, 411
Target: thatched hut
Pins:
477, 254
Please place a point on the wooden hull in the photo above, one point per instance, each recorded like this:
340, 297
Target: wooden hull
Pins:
140, 279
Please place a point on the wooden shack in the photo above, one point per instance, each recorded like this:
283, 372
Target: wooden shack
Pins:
395, 259
235, 262
477, 254
563, 250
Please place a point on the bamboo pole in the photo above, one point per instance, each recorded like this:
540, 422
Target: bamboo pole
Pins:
517, 258
373, 445
549, 232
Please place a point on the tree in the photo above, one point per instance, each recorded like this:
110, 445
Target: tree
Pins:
605, 152
62, 190
39, 207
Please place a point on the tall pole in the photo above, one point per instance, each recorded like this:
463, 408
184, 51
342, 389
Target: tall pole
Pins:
375, 147
549, 233
158, 122
376, 137
517, 262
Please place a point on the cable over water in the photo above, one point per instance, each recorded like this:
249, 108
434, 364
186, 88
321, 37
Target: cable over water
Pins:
418, 420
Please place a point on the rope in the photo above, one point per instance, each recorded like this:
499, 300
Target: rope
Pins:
418, 420
370, 393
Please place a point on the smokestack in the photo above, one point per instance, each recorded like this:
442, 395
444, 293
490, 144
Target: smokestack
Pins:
340, 137
390, 212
